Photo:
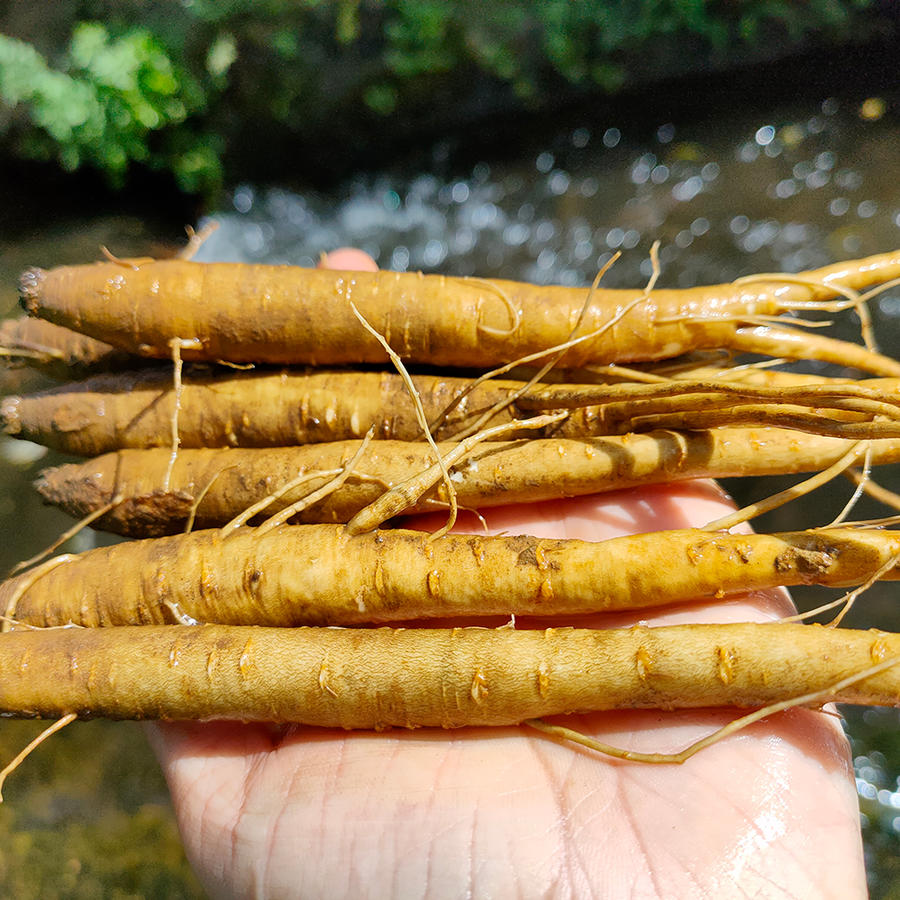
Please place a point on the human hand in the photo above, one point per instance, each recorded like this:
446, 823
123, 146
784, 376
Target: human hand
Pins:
770, 811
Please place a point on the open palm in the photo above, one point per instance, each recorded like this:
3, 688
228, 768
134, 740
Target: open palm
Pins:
768, 812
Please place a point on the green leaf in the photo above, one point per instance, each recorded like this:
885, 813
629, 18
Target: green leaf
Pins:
381, 98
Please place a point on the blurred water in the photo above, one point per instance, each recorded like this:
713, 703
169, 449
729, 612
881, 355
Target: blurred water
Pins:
795, 190
801, 186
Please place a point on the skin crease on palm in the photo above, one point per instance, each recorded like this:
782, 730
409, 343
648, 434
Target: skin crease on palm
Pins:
771, 811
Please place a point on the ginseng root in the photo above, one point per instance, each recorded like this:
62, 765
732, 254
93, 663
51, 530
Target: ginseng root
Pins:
252, 313
277, 409
56, 351
495, 474
378, 678
320, 575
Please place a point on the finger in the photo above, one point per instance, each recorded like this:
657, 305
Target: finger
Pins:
597, 517
348, 259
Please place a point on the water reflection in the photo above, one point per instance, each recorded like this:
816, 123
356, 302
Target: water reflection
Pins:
790, 193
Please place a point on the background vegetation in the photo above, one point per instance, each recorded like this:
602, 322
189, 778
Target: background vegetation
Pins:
188, 86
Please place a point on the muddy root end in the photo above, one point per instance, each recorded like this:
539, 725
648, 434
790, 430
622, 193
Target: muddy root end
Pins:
9, 416
30, 288
152, 514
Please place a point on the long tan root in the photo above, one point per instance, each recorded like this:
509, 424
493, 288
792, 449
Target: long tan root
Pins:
499, 473
320, 575
814, 698
377, 678
442, 322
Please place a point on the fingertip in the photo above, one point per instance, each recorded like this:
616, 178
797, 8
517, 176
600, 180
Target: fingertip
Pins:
348, 259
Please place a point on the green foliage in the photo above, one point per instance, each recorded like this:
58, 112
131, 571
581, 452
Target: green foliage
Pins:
589, 43
170, 85
419, 40
80, 813
103, 105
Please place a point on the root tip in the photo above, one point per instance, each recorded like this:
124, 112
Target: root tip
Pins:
10, 423
30, 289
45, 485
